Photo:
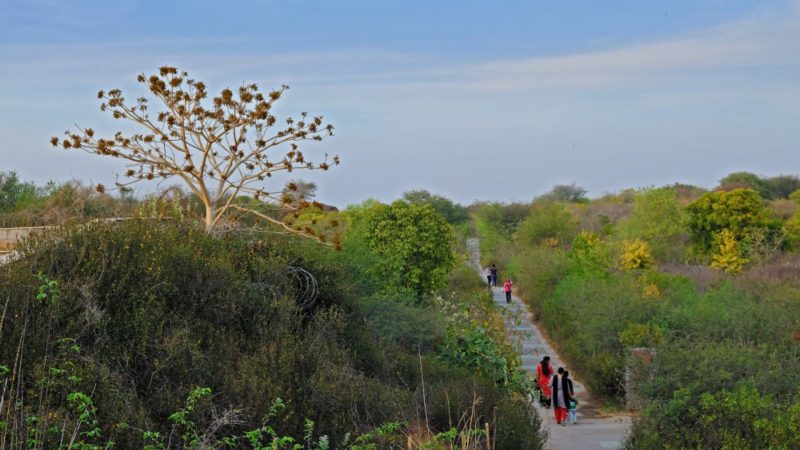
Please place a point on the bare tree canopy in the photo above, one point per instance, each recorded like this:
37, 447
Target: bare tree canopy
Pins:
223, 149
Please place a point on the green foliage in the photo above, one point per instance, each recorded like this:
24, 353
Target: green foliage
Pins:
411, 243
84, 407
140, 313
795, 196
495, 247
740, 211
776, 187
589, 254
454, 213
503, 219
641, 335
57, 414
710, 334
160, 307
395, 319
566, 193
586, 315
541, 268
746, 180
548, 222
56, 204
740, 419
658, 219
782, 186
792, 227
477, 350
15, 193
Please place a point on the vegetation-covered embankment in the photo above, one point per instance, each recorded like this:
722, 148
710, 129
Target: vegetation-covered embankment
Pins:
108, 329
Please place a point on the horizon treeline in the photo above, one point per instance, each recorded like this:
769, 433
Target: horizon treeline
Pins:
25, 203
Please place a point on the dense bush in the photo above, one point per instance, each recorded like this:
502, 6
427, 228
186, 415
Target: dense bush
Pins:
740, 211
777, 187
658, 219
409, 246
549, 223
495, 247
160, 308
453, 213
146, 311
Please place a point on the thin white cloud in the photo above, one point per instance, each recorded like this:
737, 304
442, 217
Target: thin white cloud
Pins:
746, 44
764, 41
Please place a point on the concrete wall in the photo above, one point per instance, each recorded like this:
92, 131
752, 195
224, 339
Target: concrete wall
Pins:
10, 236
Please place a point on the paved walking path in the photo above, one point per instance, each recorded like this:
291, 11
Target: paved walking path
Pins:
595, 429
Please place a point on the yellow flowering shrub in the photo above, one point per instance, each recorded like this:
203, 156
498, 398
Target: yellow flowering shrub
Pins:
635, 255
728, 257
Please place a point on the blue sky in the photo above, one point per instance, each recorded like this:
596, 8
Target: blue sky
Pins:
474, 100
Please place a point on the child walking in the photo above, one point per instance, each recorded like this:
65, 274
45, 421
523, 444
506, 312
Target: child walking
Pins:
507, 289
573, 410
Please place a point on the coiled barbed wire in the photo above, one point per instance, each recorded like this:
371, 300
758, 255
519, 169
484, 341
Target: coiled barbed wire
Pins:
307, 286
300, 282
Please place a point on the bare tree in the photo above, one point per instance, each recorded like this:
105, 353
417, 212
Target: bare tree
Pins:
223, 150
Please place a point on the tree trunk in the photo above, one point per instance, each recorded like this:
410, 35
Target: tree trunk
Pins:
211, 211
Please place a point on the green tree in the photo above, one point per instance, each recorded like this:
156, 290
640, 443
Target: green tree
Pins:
503, 218
792, 227
782, 186
795, 196
589, 255
13, 191
452, 212
566, 193
658, 219
746, 180
739, 211
547, 222
411, 245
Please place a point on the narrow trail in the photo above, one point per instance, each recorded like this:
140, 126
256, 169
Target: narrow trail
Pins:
595, 429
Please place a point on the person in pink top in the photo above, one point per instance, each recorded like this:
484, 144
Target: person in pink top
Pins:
507, 289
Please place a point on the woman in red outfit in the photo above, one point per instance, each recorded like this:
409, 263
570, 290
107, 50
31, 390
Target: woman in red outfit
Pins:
544, 373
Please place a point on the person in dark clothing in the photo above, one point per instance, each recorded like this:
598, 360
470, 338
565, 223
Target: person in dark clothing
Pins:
562, 392
493, 271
